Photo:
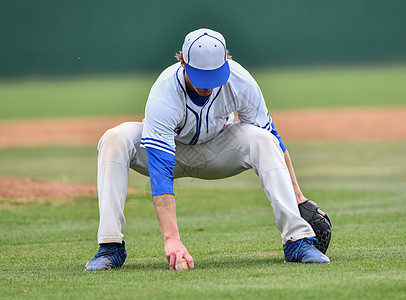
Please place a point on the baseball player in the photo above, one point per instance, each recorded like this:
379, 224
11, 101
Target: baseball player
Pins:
188, 131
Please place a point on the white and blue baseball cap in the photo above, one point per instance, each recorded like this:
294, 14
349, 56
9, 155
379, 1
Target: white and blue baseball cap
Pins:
205, 55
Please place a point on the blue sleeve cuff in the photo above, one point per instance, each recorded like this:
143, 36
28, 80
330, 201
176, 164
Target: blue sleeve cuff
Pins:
275, 133
161, 171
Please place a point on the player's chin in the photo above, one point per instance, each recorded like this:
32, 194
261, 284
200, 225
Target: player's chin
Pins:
204, 92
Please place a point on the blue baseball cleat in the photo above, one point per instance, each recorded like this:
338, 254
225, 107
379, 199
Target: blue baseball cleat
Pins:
109, 256
304, 251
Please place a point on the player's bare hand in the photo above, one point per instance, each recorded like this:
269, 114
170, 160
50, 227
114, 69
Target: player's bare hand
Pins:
175, 251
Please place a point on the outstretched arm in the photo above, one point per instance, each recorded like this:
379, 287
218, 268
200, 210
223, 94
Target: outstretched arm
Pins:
165, 208
161, 169
298, 193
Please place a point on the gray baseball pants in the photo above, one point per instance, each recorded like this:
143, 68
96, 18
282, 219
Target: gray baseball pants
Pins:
238, 147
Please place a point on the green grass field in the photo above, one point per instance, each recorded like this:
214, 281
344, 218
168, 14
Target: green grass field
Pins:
227, 225
282, 88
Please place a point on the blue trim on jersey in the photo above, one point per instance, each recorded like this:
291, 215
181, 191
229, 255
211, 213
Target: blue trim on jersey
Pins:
267, 126
161, 171
200, 126
196, 98
155, 140
208, 110
196, 136
275, 133
177, 77
199, 119
149, 141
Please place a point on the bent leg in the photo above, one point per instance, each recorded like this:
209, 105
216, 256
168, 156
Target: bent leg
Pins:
241, 146
116, 151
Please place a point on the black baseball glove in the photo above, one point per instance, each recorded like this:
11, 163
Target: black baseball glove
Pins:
321, 224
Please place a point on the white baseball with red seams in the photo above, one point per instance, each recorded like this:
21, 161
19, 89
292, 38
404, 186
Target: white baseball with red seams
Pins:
185, 265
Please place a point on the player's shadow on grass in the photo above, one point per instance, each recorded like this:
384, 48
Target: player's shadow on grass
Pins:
216, 262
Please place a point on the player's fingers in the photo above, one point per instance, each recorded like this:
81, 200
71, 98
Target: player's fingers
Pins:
179, 257
172, 259
189, 260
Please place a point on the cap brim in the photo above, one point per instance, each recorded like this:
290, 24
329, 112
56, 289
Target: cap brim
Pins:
208, 79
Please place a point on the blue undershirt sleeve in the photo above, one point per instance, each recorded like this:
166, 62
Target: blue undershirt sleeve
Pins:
275, 133
161, 166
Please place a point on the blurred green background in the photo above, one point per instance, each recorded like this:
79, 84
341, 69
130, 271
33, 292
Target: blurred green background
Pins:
93, 58
89, 36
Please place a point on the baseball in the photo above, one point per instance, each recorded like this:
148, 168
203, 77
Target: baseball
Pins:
185, 265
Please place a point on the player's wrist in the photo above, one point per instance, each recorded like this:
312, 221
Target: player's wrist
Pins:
171, 237
300, 198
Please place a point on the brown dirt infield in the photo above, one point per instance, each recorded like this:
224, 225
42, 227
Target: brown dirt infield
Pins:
360, 124
340, 124
32, 188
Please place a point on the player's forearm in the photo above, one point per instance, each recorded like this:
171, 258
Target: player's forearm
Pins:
298, 193
165, 208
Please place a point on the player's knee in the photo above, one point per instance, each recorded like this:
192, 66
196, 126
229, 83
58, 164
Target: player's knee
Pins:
262, 142
264, 151
113, 140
